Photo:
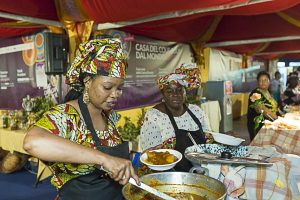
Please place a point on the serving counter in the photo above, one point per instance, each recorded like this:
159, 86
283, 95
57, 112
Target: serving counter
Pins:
285, 141
13, 141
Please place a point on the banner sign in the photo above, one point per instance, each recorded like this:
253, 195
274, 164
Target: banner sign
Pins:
22, 70
148, 59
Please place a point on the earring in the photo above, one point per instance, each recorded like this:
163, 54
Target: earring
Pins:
162, 100
86, 97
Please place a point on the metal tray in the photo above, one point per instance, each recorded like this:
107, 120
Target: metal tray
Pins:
199, 158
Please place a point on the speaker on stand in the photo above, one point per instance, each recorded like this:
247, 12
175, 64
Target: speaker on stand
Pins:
56, 56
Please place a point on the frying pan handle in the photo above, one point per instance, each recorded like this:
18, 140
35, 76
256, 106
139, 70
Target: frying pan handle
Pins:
199, 170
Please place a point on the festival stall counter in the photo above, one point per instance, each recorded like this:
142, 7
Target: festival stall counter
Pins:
12, 140
283, 133
278, 143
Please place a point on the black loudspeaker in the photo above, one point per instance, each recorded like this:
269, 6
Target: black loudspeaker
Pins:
56, 53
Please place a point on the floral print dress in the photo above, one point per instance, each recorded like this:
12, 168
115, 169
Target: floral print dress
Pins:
64, 120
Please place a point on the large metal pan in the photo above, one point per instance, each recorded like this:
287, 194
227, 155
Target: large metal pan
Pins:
178, 182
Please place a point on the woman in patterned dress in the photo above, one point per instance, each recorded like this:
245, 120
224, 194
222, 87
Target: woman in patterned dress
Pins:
261, 105
166, 125
80, 136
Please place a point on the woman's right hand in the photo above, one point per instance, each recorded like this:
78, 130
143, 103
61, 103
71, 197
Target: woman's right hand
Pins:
121, 169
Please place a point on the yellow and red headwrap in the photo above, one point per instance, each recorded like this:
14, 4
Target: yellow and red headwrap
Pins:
104, 57
186, 75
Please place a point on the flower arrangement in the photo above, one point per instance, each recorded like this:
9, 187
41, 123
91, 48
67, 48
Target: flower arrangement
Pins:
257, 100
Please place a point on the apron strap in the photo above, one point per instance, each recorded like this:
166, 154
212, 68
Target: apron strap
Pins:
88, 121
168, 112
196, 120
120, 150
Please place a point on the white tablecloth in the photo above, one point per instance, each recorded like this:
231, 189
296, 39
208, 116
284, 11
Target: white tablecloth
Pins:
213, 111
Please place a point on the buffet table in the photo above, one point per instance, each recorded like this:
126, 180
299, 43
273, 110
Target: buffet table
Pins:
286, 165
13, 141
285, 141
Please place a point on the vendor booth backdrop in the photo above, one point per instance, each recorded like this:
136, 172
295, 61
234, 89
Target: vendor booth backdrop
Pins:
23, 69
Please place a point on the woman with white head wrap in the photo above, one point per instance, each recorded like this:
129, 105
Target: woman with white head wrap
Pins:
166, 125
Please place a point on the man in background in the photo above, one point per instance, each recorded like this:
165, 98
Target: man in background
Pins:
276, 88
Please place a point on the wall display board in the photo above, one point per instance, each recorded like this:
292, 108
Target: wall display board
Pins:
147, 60
22, 71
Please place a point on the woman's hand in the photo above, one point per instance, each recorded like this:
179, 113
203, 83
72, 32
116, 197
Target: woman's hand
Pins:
120, 169
266, 112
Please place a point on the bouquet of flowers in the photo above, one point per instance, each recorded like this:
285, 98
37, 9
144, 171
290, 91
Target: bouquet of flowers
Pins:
257, 102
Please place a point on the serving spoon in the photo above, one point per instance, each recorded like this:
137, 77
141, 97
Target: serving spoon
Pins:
193, 141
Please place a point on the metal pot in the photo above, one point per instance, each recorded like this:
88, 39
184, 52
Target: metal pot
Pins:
178, 182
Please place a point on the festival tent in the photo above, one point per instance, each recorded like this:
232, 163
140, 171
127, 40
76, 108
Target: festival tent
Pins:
265, 28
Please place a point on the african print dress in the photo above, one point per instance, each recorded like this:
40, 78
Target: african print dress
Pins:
64, 120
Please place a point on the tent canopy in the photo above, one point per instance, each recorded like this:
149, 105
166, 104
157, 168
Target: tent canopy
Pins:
267, 28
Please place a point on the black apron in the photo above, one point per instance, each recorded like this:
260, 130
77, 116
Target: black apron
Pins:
96, 185
183, 141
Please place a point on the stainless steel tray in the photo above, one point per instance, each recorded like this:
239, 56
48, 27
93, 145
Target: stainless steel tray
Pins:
199, 158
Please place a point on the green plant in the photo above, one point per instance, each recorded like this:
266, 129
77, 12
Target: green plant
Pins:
130, 131
42, 104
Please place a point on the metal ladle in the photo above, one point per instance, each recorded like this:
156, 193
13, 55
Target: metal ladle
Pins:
204, 170
193, 141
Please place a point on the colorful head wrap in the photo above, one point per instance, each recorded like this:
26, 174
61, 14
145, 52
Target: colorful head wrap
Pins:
104, 57
186, 75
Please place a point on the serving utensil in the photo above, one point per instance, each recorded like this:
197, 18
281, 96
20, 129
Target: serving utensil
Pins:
144, 187
151, 190
193, 141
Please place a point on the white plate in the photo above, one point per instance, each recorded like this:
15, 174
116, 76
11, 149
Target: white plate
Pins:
226, 139
177, 154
